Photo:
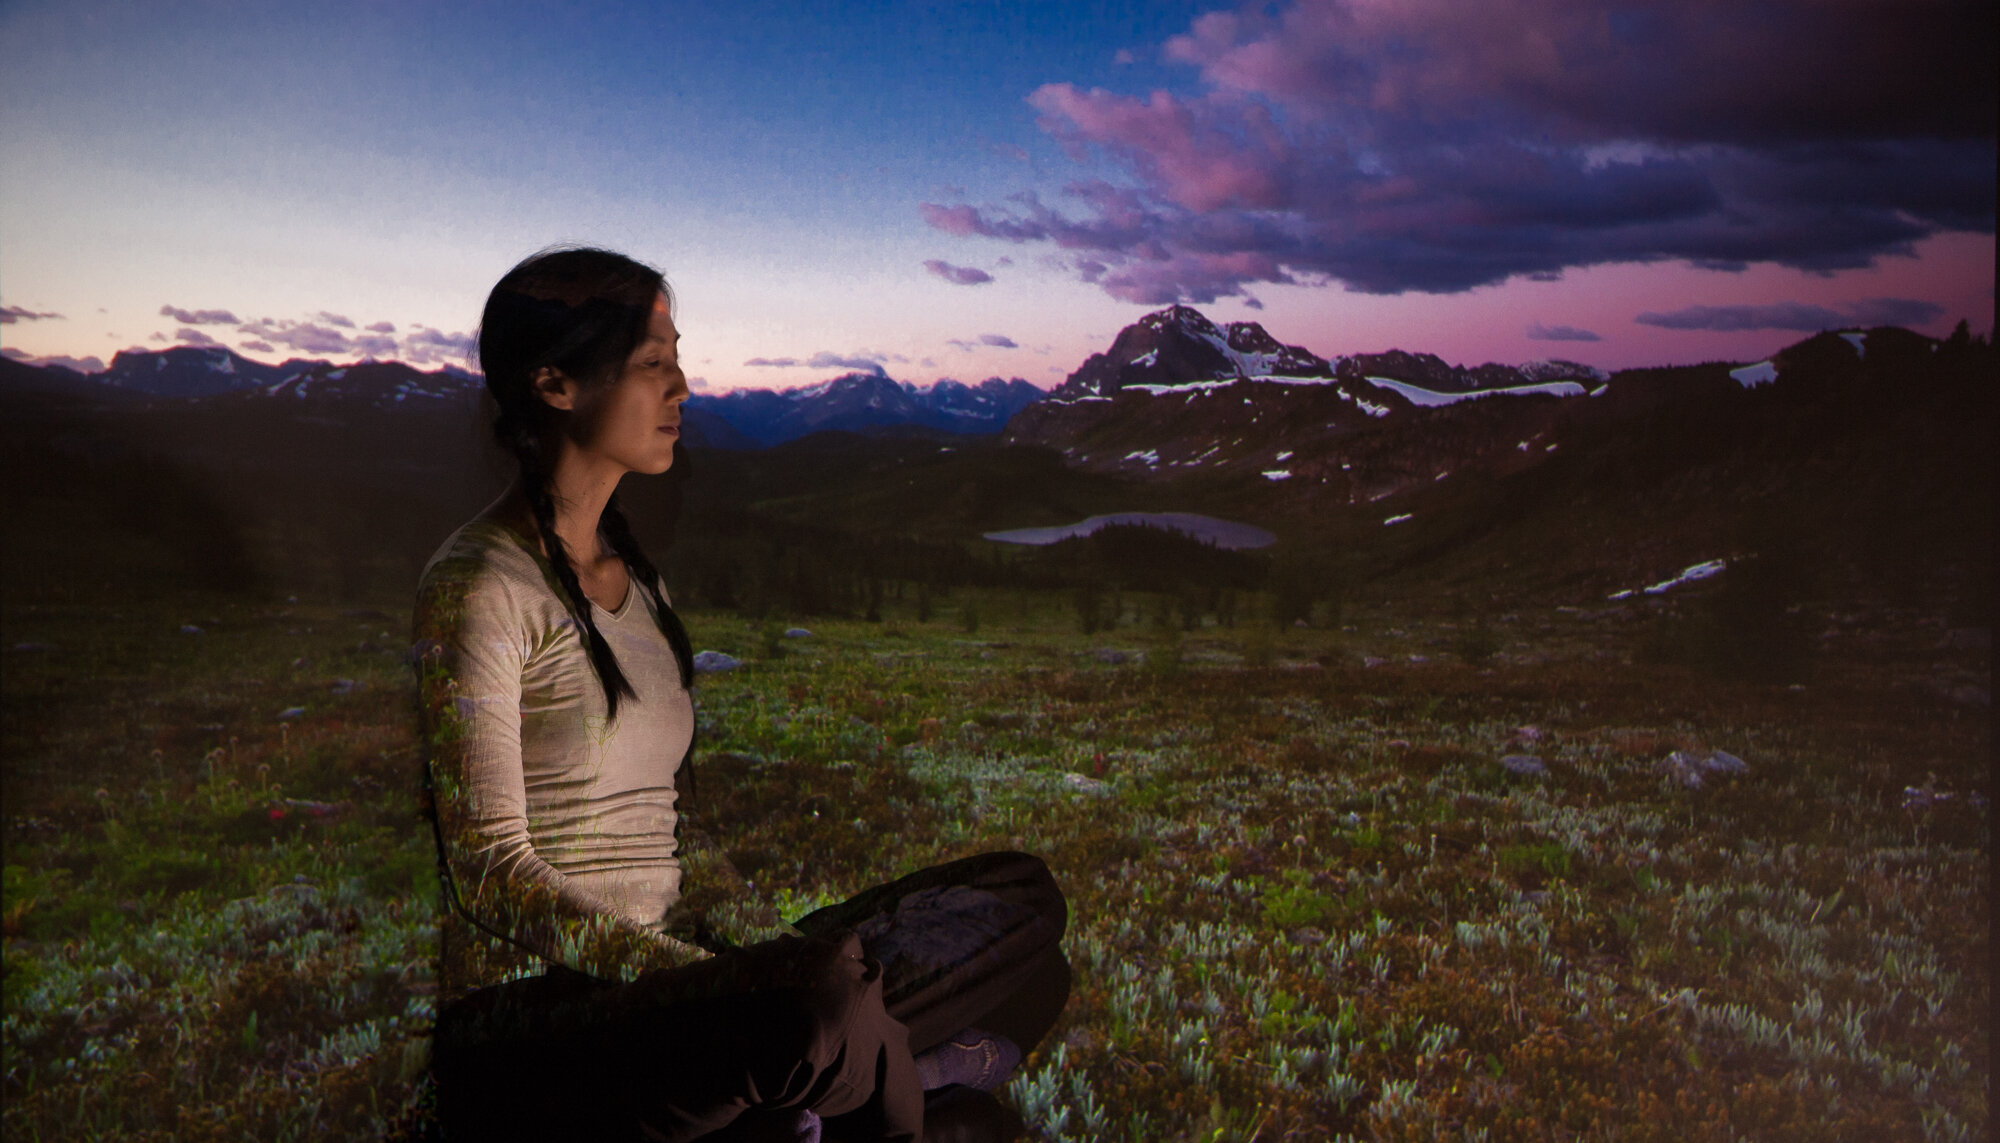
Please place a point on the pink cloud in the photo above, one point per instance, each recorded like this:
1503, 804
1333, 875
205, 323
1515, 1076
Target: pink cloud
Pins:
194, 337
1193, 158
1436, 147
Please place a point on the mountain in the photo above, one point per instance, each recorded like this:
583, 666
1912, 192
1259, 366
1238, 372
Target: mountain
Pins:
868, 402
1180, 346
863, 401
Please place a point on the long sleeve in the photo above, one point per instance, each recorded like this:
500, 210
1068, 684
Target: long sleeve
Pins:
473, 649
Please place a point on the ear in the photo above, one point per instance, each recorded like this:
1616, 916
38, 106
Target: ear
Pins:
554, 387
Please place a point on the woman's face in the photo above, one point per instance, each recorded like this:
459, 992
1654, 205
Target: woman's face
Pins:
634, 421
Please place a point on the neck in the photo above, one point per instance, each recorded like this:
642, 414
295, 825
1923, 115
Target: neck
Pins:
580, 491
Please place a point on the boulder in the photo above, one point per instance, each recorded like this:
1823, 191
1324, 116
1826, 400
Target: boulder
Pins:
716, 661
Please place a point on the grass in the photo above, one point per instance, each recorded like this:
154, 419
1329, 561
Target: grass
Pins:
1306, 900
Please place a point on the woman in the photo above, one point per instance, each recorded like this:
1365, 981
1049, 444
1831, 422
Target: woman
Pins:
599, 979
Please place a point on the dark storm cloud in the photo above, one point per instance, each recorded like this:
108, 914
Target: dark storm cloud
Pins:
1437, 146
1799, 316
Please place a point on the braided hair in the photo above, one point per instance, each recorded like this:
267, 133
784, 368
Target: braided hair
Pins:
580, 311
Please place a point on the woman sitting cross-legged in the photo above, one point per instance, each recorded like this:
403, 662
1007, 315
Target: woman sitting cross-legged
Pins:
603, 978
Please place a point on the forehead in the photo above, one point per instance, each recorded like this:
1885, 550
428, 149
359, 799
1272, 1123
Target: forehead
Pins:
660, 326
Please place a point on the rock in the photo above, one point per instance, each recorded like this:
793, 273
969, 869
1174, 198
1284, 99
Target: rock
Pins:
290, 712
1111, 655
190, 629
796, 633
716, 661
1526, 765
1690, 768
1721, 762
342, 686
1351, 821
1084, 784
1372, 661
1528, 733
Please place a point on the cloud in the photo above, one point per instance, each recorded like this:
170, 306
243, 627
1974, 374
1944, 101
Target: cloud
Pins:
194, 337
698, 385
426, 346
1540, 332
335, 320
80, 364
1894, 311
1252, 303
382, 327
984, 340
256, 346
375, 345
869, 362
957, 275
1798, 316
862, 360
199, 317
1433, 146
11, 314
299, 336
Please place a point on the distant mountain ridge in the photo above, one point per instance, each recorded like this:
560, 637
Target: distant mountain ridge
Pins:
866, 400
743, 419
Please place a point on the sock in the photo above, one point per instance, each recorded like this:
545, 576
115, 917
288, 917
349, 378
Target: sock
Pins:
971, 1057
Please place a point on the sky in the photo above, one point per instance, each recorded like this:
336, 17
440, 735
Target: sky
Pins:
995, 189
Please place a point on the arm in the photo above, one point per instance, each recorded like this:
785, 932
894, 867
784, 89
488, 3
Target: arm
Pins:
469, 692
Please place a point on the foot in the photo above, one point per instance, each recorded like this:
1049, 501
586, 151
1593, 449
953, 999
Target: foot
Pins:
972, 1057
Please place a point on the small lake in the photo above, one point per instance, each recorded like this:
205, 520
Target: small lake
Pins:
1222, 533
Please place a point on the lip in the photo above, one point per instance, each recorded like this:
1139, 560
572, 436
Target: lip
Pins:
674, 429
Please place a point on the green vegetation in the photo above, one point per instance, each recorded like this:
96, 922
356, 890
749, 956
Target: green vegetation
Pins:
1306, 900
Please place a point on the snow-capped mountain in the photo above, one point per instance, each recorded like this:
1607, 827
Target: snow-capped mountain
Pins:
211, 372
1177, 345
862, 400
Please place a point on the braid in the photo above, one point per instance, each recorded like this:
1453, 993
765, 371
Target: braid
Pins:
534, 479
619, 532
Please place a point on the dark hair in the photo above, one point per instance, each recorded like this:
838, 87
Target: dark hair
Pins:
582, 312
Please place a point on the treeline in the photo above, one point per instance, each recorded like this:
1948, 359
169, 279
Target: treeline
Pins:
759, 566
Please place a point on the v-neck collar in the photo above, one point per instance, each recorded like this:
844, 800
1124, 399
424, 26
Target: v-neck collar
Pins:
549, 570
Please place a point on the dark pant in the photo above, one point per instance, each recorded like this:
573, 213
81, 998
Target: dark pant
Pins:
826, 1023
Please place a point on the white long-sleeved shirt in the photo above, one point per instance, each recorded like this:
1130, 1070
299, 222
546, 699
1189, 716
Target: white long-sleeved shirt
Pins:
559, 825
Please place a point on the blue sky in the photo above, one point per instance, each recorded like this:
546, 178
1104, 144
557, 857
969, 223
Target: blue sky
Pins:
920, 185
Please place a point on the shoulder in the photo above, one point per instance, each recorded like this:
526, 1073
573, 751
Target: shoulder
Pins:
481, 569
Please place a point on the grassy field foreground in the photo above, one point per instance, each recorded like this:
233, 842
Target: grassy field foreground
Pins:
1309, 899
